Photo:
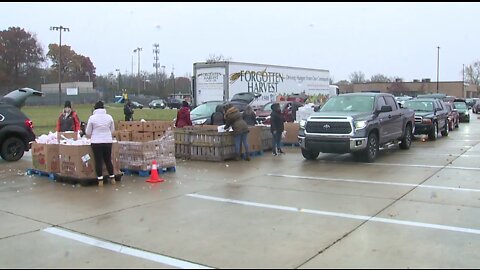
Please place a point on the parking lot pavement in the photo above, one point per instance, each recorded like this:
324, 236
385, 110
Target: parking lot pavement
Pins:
415, 208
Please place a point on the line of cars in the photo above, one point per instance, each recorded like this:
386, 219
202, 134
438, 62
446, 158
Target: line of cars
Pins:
437, 113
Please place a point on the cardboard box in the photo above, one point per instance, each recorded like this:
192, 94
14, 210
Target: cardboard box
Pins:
142, 136
124, 135
67, 134
121, 125
254, 139
292, 132
149, 126
45, 157
78, 161
135, 126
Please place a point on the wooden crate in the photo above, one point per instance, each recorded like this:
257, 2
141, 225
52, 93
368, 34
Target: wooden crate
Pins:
211, 145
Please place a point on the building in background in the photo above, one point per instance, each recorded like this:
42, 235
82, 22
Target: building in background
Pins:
417, 87
76, 92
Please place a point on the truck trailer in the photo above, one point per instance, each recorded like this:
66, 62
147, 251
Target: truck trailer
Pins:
221, 80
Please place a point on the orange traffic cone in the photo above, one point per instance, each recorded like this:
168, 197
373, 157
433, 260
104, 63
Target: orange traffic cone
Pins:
154, 178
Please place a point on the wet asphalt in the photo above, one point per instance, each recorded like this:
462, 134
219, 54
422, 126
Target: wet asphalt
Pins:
410, 209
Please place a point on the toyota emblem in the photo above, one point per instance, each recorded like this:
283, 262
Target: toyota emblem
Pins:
326, 126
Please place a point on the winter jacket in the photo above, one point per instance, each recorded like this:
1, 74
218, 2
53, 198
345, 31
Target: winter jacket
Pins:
277, 121
100, 127
233, 118
68, 122
251, 118
217, 117
183, 118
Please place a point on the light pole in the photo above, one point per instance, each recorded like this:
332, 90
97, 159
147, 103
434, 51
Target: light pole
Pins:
138, 50
60, 29
438, 64
118, 80
156, 65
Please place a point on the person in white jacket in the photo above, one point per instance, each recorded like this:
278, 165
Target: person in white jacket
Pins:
100, 127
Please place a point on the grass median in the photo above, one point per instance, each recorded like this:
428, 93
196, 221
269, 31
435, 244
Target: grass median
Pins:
45, 117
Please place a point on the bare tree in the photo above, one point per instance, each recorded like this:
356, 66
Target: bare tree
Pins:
357, 77
343, 82
380, 78
213, 58
472, 73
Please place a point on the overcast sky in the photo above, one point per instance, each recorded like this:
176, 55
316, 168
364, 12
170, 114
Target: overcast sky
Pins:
395, 39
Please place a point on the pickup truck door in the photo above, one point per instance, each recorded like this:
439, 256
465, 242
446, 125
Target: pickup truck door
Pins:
396, 117
442, 115
386, 126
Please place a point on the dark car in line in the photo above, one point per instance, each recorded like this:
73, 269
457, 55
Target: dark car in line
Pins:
157, 104
288, 109
16, 129
453, 116
462, 109
136, 105
431, 116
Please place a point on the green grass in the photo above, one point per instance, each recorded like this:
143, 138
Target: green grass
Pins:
45, 117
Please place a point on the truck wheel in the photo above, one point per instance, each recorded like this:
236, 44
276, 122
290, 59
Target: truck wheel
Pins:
370, 154
407, 138
12, 149
434, 132
309, 154
445, 131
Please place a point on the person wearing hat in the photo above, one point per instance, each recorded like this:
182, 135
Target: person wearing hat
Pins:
233, 118
99, 129
68, 119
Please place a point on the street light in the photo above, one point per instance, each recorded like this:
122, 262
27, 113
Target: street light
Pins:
118, 80
138, 50
60, 29
438, 63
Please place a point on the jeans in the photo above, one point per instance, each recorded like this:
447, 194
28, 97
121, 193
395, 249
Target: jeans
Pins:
241, 139
277, 140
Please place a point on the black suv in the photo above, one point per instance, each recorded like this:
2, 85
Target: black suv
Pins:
431, 116
16, 130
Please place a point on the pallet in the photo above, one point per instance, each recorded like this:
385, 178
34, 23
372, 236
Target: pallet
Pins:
144, 173
84, 181
50, 175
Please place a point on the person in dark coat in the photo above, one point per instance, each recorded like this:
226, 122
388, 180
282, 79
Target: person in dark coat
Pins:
277, 128
233, 118
249, 116
218, 117
128, 110
183, 116
68, 119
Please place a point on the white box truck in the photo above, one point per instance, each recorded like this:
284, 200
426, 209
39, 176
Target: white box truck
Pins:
222, 80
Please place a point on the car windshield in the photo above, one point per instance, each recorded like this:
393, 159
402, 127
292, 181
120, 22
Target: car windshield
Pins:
419, 105
157, 101
349, 103
205, 109
460, 105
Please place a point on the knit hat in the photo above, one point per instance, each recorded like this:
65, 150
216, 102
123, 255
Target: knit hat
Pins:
99, 105
68, 104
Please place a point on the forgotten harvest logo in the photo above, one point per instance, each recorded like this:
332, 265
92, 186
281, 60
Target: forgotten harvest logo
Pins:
258, 81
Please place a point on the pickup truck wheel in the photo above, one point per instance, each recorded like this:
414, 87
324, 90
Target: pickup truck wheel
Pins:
370, 154
12, 149
434, 132
407, 138
445, 131
309, 154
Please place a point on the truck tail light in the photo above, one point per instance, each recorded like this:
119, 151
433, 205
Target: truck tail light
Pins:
29, 124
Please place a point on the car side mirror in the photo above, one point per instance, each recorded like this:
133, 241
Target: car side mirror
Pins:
386, 108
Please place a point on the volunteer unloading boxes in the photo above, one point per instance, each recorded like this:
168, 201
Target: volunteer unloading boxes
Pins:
100, 127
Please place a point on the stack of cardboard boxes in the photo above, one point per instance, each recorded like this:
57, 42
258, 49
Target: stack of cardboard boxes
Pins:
141, 131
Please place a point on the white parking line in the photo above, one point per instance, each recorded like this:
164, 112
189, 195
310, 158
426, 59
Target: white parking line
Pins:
371, 182
423, 166
124, 249
336, 214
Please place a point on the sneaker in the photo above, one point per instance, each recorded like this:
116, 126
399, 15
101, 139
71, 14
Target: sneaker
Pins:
275, 154
280, 151
100, 181
112, 179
